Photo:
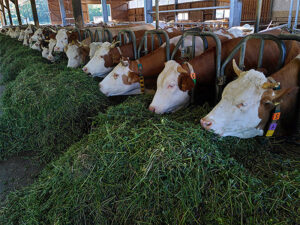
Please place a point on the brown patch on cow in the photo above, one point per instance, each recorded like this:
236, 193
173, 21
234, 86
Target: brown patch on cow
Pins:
108, 62
185, 83
84, 53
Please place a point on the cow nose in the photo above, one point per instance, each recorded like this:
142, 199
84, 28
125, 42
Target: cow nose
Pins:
206, 123
56, 49
152, 109
85, 69
100, 86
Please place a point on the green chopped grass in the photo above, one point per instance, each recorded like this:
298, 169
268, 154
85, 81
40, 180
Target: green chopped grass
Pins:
139, 168
46, 107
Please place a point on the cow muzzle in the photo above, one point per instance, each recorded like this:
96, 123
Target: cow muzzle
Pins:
206, 123
85, 69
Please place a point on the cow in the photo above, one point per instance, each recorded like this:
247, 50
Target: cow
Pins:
245, 110
174, 84
152, 65
93, 48
38, 35
52, 43
63, 37
21, 36
78, 52
99, 66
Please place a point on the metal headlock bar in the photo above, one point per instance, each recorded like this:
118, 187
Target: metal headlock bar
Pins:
242, 47
79, 34
131, 38
153, 33
105, 35
88, 33
292, 37
219, 78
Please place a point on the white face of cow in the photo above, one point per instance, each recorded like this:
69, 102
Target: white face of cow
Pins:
74, 58
113, 84
168, 96
36, 46
52, 43
38, 35
26, 39
61, 40
22, 34
29, 30
45, 52
237, 113
96, 65
93, 48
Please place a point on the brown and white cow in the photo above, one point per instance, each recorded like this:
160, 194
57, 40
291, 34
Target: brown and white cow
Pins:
247, 103
105, 62
174, 84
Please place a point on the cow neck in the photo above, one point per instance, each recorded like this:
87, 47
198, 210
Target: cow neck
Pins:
152, 64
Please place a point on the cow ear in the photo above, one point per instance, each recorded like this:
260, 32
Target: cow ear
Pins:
185, 83
133, 77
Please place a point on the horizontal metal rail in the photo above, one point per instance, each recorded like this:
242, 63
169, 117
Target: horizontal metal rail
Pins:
192, 9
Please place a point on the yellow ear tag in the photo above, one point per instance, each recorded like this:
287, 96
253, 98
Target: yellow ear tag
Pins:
73, 42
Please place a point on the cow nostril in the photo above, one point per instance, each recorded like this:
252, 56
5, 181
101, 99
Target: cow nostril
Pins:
84, 69
205, 123
152, 109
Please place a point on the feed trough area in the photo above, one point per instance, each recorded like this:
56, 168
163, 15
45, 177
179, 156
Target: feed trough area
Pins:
150, 112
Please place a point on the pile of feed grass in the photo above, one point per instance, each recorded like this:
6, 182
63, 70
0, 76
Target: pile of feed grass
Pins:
139, 168
45, 107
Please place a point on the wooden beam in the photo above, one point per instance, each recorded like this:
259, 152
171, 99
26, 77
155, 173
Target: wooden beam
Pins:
3, 12
16, 2
34, 13
77, 13
9, 14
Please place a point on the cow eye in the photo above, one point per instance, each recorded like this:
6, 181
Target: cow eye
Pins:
171, 85
116, 76
241, 105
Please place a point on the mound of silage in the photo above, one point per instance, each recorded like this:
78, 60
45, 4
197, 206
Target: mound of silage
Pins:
46, 107
139, 168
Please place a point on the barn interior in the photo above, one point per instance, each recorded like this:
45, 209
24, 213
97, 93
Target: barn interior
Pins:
149, 112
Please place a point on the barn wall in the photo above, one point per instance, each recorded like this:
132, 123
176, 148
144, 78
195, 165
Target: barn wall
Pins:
119, 11
248, 11
280, 11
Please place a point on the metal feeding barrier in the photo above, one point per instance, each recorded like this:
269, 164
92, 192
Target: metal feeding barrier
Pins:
88, 33
197, 33
102, 35
131, 39
241, 46
154, 33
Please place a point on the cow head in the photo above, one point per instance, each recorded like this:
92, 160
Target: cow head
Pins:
93, 48
96, 66
61, 40
21, 36
36, 46
52, 43
173, 84
245, 107
45, 52
29, 29
38, 35
76, 54
120, 81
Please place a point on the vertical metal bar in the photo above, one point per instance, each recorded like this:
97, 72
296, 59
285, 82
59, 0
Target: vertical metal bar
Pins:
152, 42
258, 15
62, 12
291, 14
235, 13
157, 14
176, 7
147, 9
193, 46
242, 55
261, 53
104, 11
297, 14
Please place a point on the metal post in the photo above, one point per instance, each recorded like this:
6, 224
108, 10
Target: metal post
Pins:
291, 14
176, 14
148, 8
16, 2
157, 14
62, 12
296, 17
258, 14
9, 14
34, 13
104, 11
235, 13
